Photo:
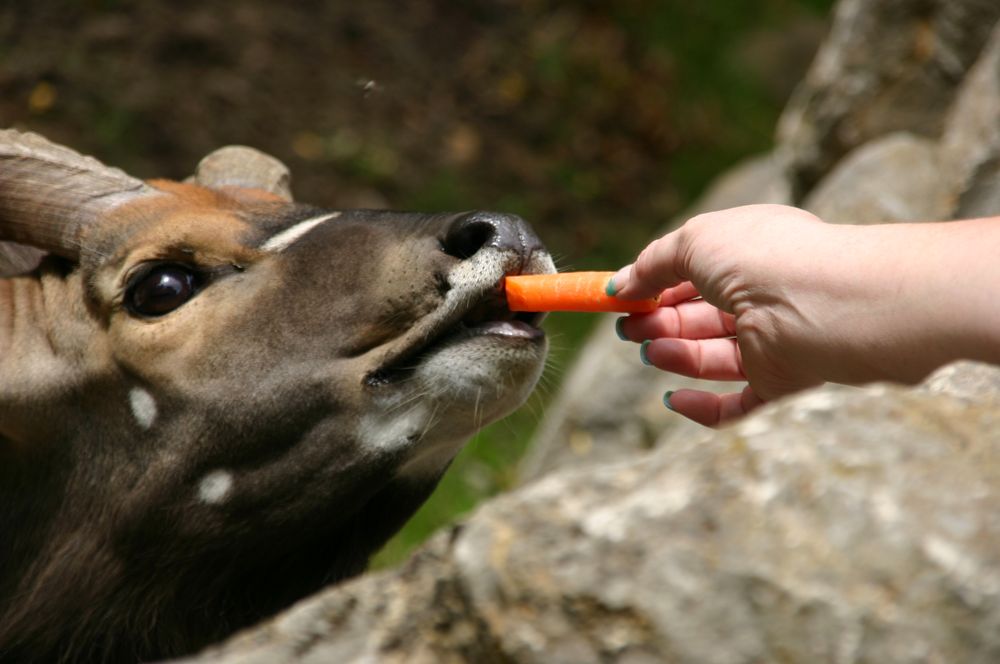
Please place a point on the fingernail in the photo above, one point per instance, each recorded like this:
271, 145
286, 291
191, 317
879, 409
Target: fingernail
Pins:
666, 399
642, 352
610, 289
614, 283
620, 328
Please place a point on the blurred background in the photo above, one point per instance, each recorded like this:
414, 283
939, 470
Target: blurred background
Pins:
597, 121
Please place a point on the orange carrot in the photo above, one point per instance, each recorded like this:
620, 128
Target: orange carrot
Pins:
569, 291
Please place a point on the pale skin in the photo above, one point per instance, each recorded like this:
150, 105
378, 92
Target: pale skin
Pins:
788, 302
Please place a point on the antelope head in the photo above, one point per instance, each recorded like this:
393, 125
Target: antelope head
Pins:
214, 400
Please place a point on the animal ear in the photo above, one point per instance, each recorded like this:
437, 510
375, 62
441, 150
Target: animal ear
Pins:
245, 168
49, 193
17, 259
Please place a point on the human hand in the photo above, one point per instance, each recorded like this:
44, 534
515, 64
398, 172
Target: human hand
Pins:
788, 303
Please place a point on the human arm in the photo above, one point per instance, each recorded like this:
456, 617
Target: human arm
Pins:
791, 302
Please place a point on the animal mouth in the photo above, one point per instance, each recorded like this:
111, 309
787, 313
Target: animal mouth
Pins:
485, 315
490, 315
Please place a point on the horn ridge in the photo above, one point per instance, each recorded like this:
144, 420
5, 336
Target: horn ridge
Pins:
49, 193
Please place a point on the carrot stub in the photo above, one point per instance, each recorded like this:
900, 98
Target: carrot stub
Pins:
569, 291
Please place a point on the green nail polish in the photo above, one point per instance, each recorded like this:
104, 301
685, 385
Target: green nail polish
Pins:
642, 353
666, 399
620, 328
610, 289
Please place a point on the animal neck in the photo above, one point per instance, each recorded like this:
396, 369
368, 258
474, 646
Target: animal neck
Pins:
66, 560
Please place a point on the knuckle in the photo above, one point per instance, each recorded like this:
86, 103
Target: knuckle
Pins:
698, 222
687, 240
643, 267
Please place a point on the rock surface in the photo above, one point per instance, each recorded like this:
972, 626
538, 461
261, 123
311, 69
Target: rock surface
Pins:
970, 147
905, 177
895, 178
841, 525
887, 66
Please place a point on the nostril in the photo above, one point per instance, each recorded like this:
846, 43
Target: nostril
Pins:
468, 236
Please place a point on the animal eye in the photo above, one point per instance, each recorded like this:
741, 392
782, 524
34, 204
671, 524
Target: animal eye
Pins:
161, 289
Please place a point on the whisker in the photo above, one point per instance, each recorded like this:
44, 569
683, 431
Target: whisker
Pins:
431, 421
475, 410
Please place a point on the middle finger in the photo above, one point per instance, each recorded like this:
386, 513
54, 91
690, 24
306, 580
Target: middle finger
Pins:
688, 320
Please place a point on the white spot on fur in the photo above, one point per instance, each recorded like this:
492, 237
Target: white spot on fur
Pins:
413, 429
398, 427
215, 486
286, 237
143, 407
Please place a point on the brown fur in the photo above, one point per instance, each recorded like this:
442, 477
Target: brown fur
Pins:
318, 378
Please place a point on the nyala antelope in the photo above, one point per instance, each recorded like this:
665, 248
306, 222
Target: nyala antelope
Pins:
215, 400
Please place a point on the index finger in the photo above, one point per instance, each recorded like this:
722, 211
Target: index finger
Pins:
656, 269
682, 292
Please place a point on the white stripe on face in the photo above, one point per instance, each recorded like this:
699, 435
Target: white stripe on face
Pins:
286, 237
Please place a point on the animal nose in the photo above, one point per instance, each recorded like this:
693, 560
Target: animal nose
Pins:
475, 231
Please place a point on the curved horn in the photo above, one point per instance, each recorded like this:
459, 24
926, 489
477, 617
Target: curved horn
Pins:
49, 193
240, 166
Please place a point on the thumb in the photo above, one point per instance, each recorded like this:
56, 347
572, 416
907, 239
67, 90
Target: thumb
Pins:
657, 267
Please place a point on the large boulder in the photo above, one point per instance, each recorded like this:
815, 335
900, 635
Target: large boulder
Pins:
905, 177
895, 178
887, 66
970, 147
840, 525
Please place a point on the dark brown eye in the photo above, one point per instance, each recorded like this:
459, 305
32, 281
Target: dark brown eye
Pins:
161, 290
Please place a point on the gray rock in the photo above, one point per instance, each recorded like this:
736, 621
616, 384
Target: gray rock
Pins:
612, 405
972, 381
970, 148
895, 178
887, 65
841, 525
